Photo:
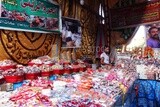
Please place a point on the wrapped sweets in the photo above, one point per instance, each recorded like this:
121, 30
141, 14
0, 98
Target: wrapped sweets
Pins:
13, 76
30, 96
79, 103
31, 69
75, 68
7, 64
85, 84
151, 71
49, 62
12, 72
40, 82
45, 68
57, 69
31, 72
57, 66
35, 62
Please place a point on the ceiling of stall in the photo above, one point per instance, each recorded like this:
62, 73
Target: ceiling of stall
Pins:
111, 3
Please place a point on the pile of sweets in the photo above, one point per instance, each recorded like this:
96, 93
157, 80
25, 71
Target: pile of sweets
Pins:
31, 69
7, 64
57, 66
30, 94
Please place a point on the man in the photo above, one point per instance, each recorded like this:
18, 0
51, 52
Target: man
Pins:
105, 56
153, 41
69, 42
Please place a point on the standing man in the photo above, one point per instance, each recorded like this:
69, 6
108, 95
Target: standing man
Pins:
153, 40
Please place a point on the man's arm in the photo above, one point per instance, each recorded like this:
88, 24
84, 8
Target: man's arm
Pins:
102, 60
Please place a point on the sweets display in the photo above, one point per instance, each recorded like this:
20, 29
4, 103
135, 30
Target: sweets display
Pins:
93, 88
57, 66
7, 64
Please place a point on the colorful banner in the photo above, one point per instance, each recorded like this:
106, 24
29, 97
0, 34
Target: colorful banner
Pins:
71, 33
134, 15
30, 15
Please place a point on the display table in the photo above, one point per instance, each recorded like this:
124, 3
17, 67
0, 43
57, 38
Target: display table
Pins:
101, 89
143, 93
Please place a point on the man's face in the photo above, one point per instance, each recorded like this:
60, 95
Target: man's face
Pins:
70, 43
106, 49
154, 33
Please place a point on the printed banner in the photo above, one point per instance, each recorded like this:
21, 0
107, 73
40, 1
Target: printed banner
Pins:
135, 15
71, 33
30, 15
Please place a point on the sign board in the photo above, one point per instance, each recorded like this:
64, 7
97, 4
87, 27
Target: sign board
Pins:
29, 15
135, 15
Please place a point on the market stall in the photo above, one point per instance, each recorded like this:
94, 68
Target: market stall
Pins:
101, 87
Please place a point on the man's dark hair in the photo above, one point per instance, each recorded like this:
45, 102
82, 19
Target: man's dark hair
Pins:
68, 39
153, 27
106, 46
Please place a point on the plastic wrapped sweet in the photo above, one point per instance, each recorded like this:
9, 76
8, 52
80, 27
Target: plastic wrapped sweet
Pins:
31, 69
40, 82
30, 96
31, 72
37, 62
44, 58
12, 72
45, 68
13, 76
57, 66
79, 103
7, 64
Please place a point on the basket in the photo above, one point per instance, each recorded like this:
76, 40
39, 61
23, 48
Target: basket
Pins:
31, 76
45, 74
76, 69
14, 79
82, 69
7, 67
67, 71
58, 72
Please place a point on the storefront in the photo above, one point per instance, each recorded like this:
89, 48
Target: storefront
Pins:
49, 51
